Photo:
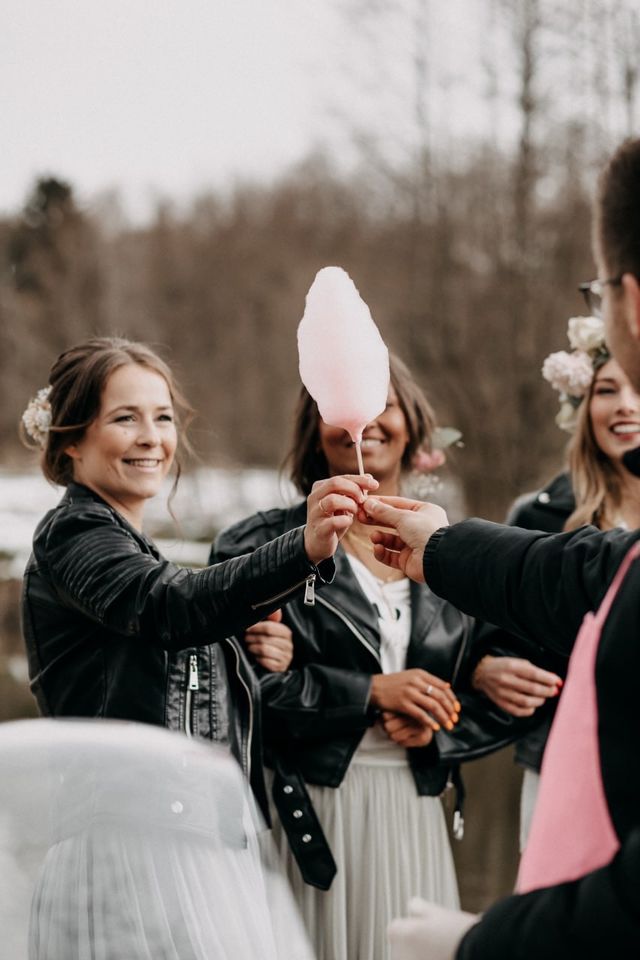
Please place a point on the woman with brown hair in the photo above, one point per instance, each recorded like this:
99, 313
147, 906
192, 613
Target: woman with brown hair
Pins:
601, 410
113, 630
350, 730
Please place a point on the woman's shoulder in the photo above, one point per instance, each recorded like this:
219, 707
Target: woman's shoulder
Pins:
78, 512
256, 530
546, 509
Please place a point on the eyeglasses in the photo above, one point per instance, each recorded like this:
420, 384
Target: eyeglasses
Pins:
593, 291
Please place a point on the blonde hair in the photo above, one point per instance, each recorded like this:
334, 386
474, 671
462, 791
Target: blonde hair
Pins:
595, 477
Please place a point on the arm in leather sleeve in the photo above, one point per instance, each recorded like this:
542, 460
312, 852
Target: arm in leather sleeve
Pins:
97, 567
316, 701
595, 916
538, 586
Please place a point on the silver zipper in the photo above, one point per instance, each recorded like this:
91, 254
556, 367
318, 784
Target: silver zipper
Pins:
354, 630
310, 591
247, 751
193, 683
288, 592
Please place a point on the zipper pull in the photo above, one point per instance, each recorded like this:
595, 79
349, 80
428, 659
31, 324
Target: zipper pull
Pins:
193, 673
310, 591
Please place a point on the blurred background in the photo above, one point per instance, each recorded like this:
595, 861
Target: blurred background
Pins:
177, 172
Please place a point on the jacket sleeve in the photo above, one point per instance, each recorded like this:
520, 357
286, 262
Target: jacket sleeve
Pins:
538, 586
595, 916
316, 701
310, 700
96, 567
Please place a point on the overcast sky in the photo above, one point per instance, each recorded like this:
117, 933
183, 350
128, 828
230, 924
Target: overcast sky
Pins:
170, 96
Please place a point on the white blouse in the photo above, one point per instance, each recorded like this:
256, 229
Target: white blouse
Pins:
392, 602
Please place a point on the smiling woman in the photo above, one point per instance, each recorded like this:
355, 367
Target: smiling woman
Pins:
113, 630
128, 450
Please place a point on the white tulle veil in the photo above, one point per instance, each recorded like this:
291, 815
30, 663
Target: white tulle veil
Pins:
121, 841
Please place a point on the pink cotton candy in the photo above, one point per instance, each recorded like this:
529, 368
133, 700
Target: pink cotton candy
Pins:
344, 363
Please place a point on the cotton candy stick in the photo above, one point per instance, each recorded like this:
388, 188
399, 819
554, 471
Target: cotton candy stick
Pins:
344, 363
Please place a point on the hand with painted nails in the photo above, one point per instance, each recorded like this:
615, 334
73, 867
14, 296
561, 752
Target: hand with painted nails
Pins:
516, 686
332, 507
418, 695
412, 523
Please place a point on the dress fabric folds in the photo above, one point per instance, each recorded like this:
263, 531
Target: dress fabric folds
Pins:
389, 845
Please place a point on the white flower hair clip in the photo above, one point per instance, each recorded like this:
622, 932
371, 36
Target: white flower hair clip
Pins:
571, 374
36, 419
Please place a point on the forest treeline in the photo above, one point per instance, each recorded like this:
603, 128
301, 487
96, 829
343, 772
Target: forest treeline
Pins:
220, 290
468, 252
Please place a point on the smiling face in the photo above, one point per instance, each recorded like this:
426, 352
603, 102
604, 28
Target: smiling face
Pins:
127, 450
383, 443
614, 409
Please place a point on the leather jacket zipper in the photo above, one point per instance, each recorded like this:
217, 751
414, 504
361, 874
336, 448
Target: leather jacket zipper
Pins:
352, 627
193, 683
309, 593
461, 651
246, 745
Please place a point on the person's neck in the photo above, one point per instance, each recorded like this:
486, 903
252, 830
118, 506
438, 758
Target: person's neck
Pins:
629, 509
132, 513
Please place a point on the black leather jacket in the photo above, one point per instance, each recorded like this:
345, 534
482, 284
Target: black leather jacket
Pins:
315, 715
548, 510
114, 630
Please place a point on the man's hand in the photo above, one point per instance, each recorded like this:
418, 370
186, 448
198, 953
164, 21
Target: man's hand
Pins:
516, 686
430, 932
412, 523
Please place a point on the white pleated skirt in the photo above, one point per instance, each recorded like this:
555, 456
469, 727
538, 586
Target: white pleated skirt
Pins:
389, 845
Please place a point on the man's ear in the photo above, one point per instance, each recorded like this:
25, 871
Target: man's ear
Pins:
631, 304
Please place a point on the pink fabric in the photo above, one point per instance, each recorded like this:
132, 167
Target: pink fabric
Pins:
571, 831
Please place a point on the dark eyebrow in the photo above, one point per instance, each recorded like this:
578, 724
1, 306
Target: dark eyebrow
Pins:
126, 406
606, 380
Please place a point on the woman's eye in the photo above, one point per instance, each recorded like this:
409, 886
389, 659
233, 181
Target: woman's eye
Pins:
125, 418
602, 390
167, 417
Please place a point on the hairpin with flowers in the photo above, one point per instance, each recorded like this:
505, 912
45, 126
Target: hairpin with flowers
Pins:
571, 373
36, 419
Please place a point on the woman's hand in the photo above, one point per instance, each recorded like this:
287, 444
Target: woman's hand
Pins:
331, 509
271, 643
405, 731
418, 695
516, 686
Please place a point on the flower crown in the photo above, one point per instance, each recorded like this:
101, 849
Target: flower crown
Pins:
37, 417
572, 373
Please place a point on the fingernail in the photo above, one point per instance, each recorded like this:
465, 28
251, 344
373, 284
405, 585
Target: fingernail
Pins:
449, 725
436, 726
458, 706
369, 506
455, 717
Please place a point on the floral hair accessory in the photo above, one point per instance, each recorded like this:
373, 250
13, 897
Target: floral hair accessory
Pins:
571, 374
37, 417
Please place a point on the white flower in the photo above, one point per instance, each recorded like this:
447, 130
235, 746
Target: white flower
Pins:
567, 416
37, 416
586, 333
570, 373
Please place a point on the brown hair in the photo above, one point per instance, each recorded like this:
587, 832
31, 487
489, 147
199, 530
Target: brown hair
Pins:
617, 211
77, 380
595, 478
305, 462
